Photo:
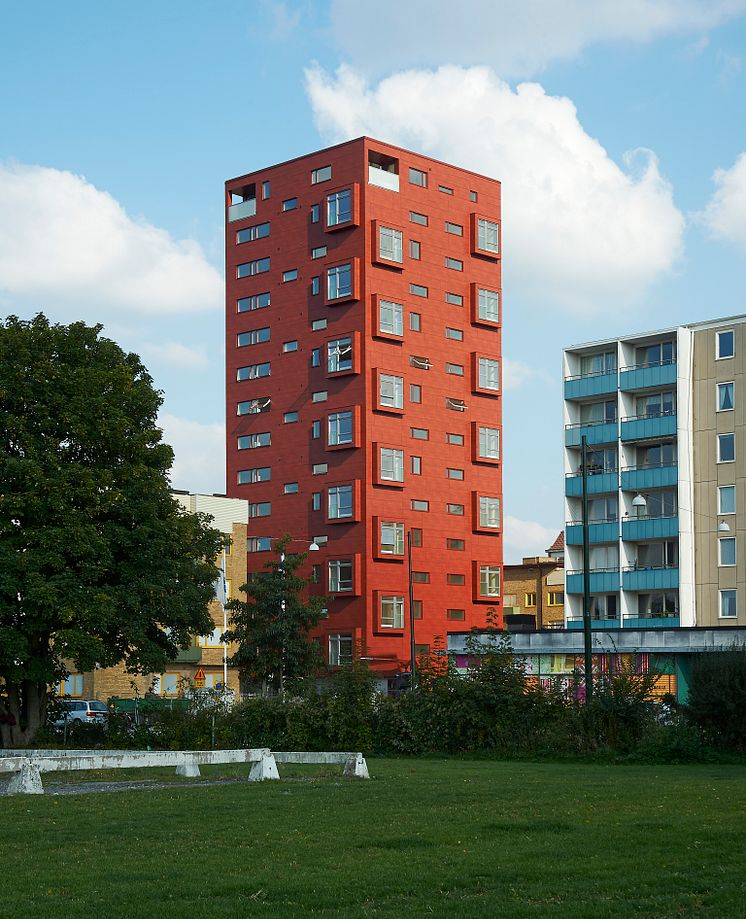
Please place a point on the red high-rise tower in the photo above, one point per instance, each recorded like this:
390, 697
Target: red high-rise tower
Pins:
363, 352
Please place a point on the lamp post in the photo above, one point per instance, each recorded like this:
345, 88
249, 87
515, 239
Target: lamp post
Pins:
313, 547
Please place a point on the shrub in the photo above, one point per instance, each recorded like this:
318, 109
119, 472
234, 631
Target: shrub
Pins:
717, 697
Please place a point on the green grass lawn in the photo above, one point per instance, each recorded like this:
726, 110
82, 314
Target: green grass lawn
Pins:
422, 838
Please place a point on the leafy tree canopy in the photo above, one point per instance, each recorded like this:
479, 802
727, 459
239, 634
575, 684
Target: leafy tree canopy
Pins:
98, 564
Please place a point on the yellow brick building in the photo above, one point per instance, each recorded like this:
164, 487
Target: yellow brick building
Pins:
535, 589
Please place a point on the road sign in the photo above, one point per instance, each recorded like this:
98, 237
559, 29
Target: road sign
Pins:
199, 678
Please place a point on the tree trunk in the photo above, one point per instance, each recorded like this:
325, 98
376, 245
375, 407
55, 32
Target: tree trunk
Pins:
26, 705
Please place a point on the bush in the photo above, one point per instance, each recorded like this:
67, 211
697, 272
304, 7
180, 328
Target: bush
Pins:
717, 698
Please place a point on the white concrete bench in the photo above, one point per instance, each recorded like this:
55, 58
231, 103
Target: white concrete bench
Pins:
25, 766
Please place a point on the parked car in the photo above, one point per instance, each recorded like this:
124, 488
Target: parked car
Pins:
80, 711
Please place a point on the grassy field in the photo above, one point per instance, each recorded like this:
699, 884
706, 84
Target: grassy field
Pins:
422, 838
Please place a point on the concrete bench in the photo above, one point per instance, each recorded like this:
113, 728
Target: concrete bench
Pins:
25, 766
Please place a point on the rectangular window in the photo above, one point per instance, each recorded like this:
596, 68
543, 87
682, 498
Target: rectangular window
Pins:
319, 469
339, 281
254, 337
727, 499
421, 577
316, 357
253, 371
340, 650
392, 612
290, 275
421, 219
318, 325
254, 406
473, 196
323, 174
417, 614
445, 189
415, 393
321, 396
489, 512
392, 465
488, 305
725, 344
455, 405
252, 476
529, 599
556, 597
257, 302
315, 285
727, 552
318, 252
339, 355
454, 334
419, 433
390, 244
728, 604
487, 236
489, 581
340, 429
391, 391
452, 473
489, 443
316, 501
392, 538
265, 190
415, 534
417, 177
454, 264
726, 448
288, 346
315, 211
340, 502
258, 231
457, 545
419, 361
415, 463
456, 370
390, 317
290, 488
249, 269
417, 505
414, 249
456, 579
418, 290
290, 204
725, 397
456, 509
339, 208
340, 575
489, 374
259, 544
315, 429
260, 509
457, 440
454, 299
456, 614
253, 441
455, 228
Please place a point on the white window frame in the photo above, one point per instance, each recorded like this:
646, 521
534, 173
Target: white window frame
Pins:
391, 464
488, 236
322, 174
395, 538
719, 451
488, 442
488, 373
730, 591
391, 611
391, 244
730, 540
390, 317
721, 489
339, 355
718, 337
394, 398
339, 281
338, 657
335, 214
338, 584
489, 512
488, 305
338, 507
489, 580
336, 434
718, 387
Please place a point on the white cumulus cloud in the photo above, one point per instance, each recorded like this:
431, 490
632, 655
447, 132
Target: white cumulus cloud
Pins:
65, 243
579, 231
176, 354
526, 538
725, 214
199, 451
517, 38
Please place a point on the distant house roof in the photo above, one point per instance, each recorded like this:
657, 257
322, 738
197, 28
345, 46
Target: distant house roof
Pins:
559, 543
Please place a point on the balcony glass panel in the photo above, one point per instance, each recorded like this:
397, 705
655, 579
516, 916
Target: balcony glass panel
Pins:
577, 623
601, 582
650, 578
652, 622
599, 432
636, 529
639, 478
608, 531
648, 428
595, 384
242, 209
596, 484
383, 178
647, 377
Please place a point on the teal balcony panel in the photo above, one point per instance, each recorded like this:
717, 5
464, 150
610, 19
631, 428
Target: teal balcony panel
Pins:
648, 428
651, 622
577, 624
606, 433
651, 579
602, 483
647, 377
636, 529
651, 477
597, 384
601, 582
597, 533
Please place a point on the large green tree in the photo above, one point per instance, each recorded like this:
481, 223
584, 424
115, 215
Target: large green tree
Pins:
272, 626
98, 564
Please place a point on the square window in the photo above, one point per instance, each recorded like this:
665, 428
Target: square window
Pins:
529, 599
726, 448
725, 344
290, 204
390, 317
415, 393
414, 249
454, 334
417, 177
416, 465
728, 604
290, 275
454, 299
727, 499
391, 464
727, 552
725, 393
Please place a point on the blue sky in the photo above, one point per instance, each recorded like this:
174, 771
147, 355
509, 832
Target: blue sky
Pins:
618, 131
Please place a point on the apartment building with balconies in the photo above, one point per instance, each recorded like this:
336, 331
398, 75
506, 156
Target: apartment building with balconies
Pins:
662, 415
